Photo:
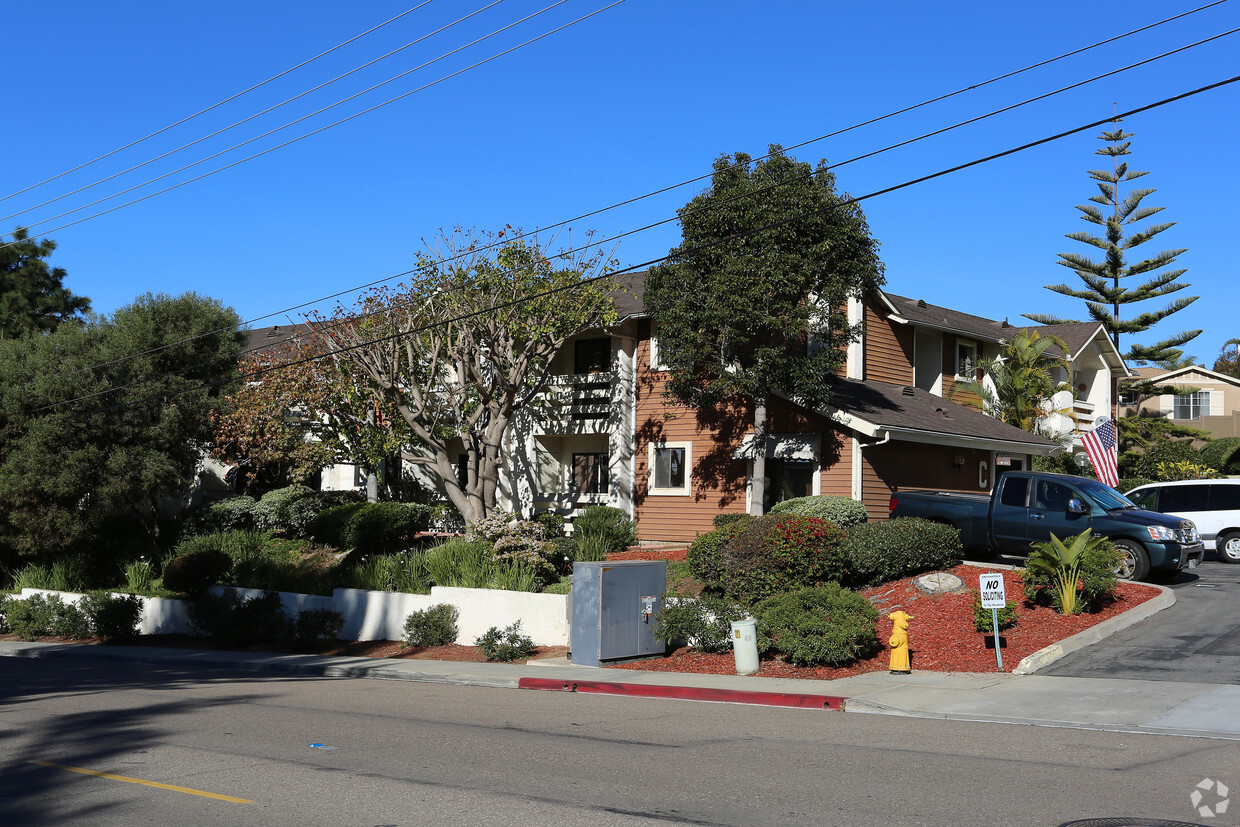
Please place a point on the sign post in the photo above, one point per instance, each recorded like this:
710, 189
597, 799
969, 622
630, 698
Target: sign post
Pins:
994, 598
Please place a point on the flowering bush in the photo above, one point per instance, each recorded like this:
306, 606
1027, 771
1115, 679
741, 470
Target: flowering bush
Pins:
780, 553
518, 541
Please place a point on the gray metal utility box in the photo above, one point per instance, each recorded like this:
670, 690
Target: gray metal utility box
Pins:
614, 605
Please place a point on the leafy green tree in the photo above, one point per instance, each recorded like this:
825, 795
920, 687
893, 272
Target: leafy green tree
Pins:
770, 256
109, 417
1106, 291
32, 298
468, 342
1021, 387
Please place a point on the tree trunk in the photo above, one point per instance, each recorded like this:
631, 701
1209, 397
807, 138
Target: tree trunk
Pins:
757, 487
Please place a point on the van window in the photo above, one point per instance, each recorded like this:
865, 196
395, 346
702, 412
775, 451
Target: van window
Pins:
1014, 490
1188, 498
1147, 499
1225, 497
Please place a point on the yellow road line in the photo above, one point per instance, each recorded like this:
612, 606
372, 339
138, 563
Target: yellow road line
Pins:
109, 775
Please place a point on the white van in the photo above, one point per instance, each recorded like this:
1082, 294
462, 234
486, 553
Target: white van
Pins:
1214, 505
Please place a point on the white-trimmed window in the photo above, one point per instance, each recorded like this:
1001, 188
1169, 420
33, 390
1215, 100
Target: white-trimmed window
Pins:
656, 361
966, 358
1190, 405
669, 464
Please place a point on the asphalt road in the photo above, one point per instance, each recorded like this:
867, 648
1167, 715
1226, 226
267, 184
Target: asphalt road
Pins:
1196, 640
415, 753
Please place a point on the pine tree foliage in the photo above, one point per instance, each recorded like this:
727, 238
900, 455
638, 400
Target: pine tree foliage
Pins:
1106, 280
32, 297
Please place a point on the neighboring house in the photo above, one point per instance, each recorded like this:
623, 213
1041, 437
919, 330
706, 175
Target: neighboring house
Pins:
1213, 406
606, 435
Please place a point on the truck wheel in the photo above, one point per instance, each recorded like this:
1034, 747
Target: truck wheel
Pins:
1229, 547
1134, 562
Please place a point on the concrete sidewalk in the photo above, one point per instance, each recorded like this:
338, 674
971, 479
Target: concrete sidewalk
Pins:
1156, 707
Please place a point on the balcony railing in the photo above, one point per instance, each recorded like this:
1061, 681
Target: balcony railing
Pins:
579, 403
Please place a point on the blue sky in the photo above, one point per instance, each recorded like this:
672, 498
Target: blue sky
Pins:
643, 95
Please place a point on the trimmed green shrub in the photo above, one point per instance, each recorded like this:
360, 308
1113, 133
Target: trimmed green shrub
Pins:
302, 511
505, 646
315, 627
46, 615
1222, 454
779, 553
705, 555
612, 527
705, 623
1166, 451
1096, 576
272, 511
435, 626
228, 514
234, 622
729, 517
829, 626
112, 617
371, 528
888, 550
5, 600
841, 511
552, 524
983, 619
195, 572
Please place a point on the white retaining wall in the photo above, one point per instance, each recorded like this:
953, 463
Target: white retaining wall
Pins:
368, 615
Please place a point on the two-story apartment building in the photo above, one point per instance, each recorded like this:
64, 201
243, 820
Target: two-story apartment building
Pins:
607, 435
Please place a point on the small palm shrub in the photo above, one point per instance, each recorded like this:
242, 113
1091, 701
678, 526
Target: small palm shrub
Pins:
506, 645
880, 552
705, 555
829, 626
272, 513
435, 626
112, 617
984, 620
1072, 578
613, 527
779, 553
841, 511
704, 623
196, 571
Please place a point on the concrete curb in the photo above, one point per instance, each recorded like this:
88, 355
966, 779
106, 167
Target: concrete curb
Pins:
1052, 653
688, 693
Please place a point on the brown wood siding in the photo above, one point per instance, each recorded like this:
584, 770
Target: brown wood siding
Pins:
717, 481
903, 465
888, 353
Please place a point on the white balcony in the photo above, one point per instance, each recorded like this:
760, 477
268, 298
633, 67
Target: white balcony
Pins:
578, 403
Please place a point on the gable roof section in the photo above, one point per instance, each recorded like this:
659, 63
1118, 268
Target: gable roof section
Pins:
902, 412
1174, 376
266, 338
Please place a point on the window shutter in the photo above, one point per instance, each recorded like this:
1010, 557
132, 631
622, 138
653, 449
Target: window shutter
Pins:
1164, 404
1216, 402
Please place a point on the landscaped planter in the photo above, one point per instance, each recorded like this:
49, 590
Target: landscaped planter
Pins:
381, 615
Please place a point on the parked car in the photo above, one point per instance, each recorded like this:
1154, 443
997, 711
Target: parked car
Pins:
1028, 506
1214, 505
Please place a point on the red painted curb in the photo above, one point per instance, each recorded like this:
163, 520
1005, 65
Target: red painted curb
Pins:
687, 693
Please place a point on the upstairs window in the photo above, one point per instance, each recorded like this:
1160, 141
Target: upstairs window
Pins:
966, 359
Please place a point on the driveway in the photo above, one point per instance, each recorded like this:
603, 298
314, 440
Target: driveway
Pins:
1196, 640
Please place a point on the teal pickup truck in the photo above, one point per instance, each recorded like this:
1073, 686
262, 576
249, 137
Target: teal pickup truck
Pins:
1029, 506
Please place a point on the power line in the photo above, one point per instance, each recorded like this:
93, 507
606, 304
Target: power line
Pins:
794, 146
633, 268
217, 105
247, 120
299, 120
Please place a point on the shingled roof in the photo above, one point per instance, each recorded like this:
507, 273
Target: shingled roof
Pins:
873, 407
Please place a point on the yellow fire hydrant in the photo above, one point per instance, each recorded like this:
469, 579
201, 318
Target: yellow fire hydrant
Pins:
900, 664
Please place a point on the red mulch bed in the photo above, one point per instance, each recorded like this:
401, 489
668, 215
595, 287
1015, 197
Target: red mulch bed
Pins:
673, 555
941, 633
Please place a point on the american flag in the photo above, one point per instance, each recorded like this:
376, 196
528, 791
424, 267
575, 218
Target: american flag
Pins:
1100, 445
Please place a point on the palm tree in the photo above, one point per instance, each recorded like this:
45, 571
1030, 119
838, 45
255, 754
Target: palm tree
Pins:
1021, 384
